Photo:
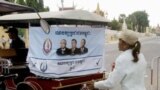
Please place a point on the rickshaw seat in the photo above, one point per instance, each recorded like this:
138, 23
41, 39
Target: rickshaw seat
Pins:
17, 56
7, 53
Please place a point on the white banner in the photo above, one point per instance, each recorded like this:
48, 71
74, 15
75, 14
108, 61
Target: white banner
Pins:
65, 51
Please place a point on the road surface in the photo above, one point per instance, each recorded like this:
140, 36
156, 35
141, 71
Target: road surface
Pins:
150, 49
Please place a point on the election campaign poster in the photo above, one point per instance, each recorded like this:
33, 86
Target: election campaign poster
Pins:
65, 51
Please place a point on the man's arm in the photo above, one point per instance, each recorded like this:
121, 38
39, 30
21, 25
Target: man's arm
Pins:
114, 78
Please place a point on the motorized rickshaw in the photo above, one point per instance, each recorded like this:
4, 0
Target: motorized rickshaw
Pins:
74, 21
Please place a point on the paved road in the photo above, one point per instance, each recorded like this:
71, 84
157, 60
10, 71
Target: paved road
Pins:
150, 48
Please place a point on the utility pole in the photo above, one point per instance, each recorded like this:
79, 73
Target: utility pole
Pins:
62, 4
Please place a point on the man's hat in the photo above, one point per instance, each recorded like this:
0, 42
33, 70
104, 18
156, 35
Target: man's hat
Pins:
12, 30
129, 37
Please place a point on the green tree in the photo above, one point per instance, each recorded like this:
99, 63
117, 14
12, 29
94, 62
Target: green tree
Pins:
22, 2
32, 3
122, 17
115, 25
131, 22
21, 31
10, 0
138, 20
36, 4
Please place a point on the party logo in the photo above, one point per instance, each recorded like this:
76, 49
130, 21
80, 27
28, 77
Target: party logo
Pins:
43, 67
47, 46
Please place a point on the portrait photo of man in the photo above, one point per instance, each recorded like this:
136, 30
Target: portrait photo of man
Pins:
83, 48
74, 49
63, 50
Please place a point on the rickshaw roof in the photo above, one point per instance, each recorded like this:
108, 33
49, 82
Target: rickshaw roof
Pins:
8, 7
59, 17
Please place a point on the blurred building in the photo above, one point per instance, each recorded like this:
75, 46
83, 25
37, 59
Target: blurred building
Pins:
66, 8
124, 25
99, 11
157, 30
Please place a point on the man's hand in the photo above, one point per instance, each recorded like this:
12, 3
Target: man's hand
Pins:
90, 86
113, 66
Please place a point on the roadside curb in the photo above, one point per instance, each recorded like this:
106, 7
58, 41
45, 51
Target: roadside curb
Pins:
141, 39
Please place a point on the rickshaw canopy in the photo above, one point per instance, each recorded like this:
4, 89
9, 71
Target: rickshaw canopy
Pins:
75, 17
8, 7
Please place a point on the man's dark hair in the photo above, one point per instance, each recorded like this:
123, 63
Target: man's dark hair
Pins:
84, 41
12, 30
74, 40
65, 41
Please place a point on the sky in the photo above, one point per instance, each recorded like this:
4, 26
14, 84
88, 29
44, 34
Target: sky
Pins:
113, 7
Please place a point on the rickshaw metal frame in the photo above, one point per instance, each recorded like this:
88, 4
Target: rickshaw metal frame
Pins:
25, 23
152, 70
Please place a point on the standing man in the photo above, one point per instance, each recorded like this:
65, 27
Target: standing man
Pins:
130, 66
16, 42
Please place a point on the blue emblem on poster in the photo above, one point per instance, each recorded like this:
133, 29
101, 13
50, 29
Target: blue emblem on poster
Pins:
43, 67
47, 46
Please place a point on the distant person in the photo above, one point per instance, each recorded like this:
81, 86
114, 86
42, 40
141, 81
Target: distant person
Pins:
63, 50
16, 42
83, 49
74, 49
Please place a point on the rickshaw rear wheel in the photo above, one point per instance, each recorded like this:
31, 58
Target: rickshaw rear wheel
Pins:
25, 86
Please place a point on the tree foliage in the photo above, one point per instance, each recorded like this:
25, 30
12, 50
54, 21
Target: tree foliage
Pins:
131, 22
138, 20
36, 4
22, 2
115, 25
122, 17
10, 1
